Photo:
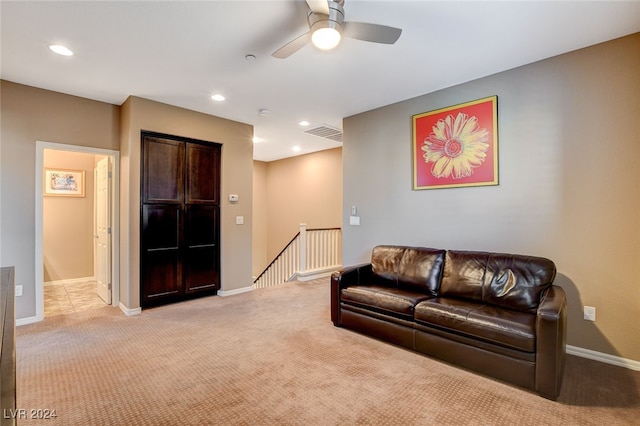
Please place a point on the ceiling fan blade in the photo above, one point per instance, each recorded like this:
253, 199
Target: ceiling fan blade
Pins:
293, 46
319, 6
371, 32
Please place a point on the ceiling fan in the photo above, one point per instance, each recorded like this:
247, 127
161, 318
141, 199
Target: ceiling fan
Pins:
327, 26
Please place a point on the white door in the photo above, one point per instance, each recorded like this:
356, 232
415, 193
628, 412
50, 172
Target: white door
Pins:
102, 248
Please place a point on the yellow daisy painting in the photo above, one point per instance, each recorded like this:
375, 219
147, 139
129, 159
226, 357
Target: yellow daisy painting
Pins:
456, 146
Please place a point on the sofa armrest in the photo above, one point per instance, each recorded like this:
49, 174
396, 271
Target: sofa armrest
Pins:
342, 278
551, 336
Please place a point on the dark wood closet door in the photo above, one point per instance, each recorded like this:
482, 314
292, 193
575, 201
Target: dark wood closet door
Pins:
161, 265
180, 219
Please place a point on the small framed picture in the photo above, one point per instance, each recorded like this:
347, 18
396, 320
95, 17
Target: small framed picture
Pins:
63, 183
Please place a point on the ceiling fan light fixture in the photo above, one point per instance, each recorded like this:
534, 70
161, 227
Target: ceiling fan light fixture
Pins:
326, 38
327, 27
326, 30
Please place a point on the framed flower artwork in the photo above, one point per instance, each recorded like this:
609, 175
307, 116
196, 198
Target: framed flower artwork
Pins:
456, 146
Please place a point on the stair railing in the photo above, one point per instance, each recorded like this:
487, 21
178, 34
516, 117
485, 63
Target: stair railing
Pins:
312, 253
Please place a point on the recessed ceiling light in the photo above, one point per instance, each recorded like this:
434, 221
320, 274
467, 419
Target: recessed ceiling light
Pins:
264, 112
296, 148
256, 139
60, 50
304, 123
218, 97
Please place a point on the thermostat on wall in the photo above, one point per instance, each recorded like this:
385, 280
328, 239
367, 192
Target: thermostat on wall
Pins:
233, 198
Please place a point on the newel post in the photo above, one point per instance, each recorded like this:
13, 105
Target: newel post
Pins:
302, 248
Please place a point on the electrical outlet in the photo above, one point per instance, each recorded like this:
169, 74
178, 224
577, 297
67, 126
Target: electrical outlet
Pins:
590, 313
18, 290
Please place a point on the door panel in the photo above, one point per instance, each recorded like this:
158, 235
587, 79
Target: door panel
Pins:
201, 241
162, 269
161, 275
160, 226
163, 171
201, 227
201, 272
103, 229
202, 174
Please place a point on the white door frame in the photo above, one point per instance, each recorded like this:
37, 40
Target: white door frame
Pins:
115, 226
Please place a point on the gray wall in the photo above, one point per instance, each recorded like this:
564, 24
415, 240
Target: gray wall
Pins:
569, 189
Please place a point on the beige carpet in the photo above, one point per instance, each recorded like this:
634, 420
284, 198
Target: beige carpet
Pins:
272, 357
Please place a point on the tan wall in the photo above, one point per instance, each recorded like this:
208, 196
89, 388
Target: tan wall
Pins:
260, 214
67, 222
28, 115
303, 189
569, 179
237, 162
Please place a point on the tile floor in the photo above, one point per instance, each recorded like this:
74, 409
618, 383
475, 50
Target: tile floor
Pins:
69, 298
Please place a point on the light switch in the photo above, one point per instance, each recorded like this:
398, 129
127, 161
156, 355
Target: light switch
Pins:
239, 220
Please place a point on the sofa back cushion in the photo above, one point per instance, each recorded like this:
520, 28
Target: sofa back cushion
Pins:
385, 261
463, 274
516, 281
420, 269
508, 280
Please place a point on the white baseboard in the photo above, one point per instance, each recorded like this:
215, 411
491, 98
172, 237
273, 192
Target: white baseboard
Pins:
130, 312
602, 357
27, 320
315, 273
225, 293
70, 281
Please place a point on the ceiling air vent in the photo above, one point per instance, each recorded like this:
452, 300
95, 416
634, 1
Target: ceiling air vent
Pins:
325, 131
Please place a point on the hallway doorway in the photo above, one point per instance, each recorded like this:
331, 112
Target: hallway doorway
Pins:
77, 230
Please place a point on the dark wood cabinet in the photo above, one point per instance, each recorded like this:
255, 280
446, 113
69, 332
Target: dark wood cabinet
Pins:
180, 219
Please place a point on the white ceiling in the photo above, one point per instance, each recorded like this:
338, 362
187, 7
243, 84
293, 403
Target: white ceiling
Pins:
182, 52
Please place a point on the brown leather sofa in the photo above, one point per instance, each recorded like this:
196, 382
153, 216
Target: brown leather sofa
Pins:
493, 313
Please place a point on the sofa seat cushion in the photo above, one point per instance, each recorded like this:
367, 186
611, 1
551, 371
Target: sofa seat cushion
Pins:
391, 300
486, 322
